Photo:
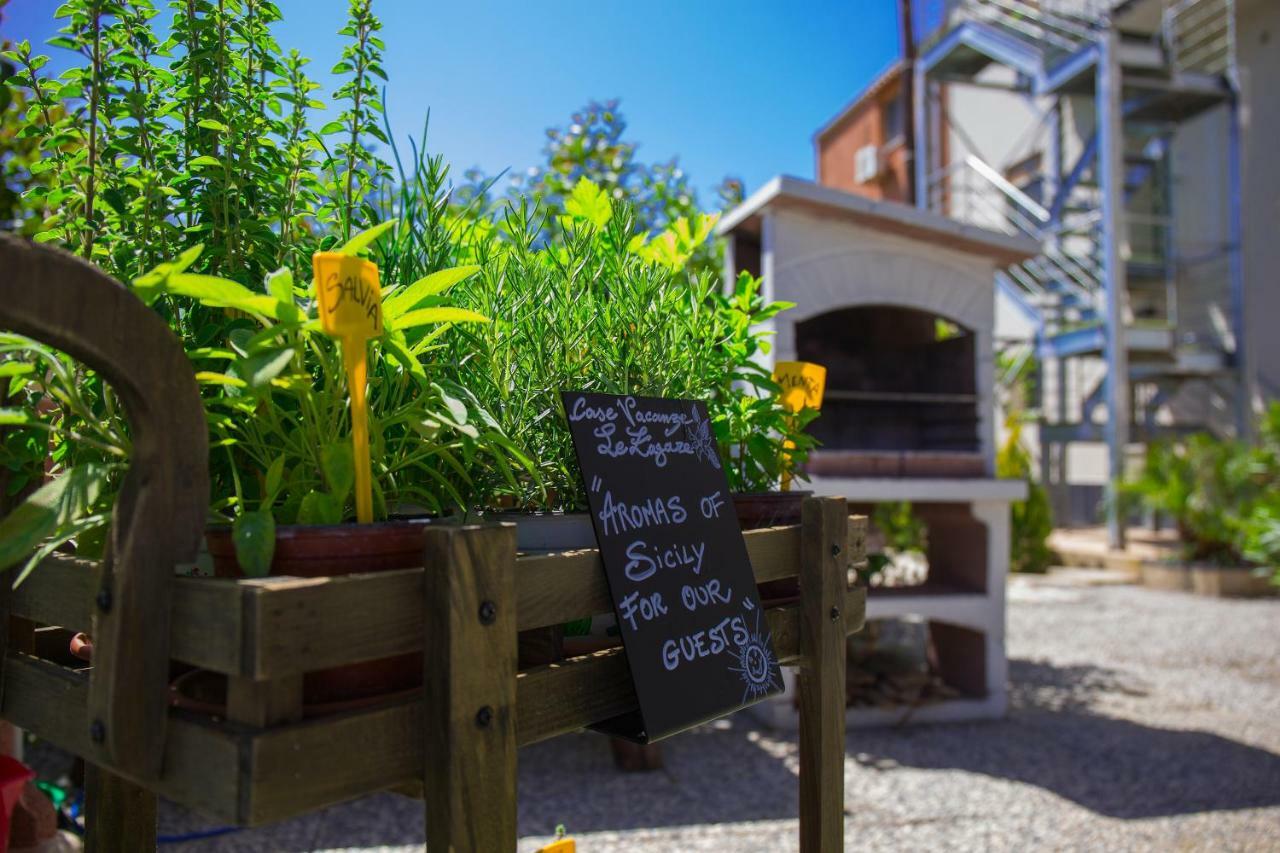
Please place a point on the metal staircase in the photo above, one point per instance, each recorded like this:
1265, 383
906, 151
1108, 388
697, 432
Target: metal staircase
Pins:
1112, 286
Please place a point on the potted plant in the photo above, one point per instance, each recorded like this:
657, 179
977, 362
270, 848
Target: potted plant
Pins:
1220, 494
762, 442
578, 302
584, 301
281, 463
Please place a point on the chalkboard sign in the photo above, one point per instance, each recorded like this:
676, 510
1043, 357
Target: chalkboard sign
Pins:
696, 637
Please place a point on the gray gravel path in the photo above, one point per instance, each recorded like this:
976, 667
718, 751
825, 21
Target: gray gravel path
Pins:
1140, 720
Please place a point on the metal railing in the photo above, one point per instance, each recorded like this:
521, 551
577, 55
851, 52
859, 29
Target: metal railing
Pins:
971, 190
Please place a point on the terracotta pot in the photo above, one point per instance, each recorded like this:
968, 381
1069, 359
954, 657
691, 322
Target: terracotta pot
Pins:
771, 509
315, 551
340, 549
205, 692
768, 509
82, 647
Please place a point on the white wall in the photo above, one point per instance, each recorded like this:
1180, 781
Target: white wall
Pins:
1258, 34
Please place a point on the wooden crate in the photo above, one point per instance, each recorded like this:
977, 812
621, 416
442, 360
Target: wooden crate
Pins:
263, 763
455, 741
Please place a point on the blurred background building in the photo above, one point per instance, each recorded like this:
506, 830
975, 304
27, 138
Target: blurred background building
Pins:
1130, 139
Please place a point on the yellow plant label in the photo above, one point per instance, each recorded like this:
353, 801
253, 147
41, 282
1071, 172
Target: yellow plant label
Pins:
802, 384
349, 296
351, 310
563, 845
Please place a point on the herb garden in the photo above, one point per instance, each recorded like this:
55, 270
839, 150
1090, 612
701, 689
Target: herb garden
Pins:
177, 468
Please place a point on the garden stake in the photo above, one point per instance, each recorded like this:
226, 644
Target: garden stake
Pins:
802, 386
351, 310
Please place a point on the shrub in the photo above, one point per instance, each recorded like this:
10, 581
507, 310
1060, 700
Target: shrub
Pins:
1221, 494
598, 307
1031, 520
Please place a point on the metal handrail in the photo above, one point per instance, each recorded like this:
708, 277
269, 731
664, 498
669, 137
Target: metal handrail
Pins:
1024, 216
1001, 183
1043, 17
1014, 21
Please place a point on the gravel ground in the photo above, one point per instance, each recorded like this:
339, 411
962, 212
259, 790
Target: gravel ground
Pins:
1139, 720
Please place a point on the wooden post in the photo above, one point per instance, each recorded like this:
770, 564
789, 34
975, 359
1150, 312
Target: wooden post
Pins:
469, 735
119, 815
823, 581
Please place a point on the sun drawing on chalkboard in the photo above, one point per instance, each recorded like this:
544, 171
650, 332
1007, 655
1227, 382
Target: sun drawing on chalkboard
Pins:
756, 664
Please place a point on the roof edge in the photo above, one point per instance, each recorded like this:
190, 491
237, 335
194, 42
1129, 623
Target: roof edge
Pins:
793, 192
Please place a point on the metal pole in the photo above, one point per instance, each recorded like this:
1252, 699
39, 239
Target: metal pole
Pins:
1235, 258
1111, 182
921, 144
908, 83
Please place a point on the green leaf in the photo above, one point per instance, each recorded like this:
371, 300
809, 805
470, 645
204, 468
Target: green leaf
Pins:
271, 482
203, 160
89, 533
216, 292
339, 469
254, 535
457, 408
319, 508
210, 124
208, 377
366, 238
280, 284
55, 504
258, 370
15, 417
407, 298
427, 316
589, 202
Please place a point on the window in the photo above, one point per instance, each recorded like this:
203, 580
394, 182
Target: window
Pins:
895, 118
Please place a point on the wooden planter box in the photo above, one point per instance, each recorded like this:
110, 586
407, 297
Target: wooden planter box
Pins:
455, 741
263, 763
1206, 579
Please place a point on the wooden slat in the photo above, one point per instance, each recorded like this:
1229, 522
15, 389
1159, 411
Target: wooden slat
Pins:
313, 623
206, 628
296, 769
59, 592
200, 759
259, 704
316, 623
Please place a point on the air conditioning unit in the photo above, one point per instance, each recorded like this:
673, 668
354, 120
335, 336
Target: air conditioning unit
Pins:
866, 164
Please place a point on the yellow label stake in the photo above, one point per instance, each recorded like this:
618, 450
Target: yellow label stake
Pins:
802, 384
351, 310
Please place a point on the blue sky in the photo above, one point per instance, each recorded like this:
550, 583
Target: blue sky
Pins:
731, 87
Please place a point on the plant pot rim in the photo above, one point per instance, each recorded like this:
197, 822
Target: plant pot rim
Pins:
774, 495
536, 513
290, 531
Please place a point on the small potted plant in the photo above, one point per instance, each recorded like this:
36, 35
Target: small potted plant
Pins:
763, 442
